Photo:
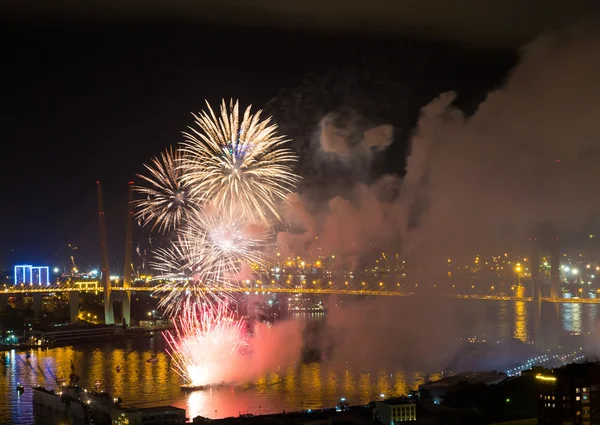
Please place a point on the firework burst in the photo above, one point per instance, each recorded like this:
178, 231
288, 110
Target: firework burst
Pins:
188, 271
238, 163
212, 252
167, 198
228, 175
205, 343
231, 242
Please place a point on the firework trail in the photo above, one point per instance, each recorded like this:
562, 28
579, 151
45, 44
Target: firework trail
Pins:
188, 271
238, 163
205, 344
167, 196
209, 256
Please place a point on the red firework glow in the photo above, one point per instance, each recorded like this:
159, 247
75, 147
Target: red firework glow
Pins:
207, 341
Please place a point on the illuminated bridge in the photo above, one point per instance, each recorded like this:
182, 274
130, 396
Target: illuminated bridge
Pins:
329, 288
255, 288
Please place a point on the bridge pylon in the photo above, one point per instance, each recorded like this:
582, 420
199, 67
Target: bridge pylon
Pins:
128, 267
124, 296
109, 317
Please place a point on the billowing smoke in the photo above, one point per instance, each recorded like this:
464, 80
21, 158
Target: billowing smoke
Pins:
474, 183
526, 156
391, 334
348, 226
347, 139
267, 352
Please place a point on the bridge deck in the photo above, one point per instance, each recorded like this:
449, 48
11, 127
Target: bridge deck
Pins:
316, 291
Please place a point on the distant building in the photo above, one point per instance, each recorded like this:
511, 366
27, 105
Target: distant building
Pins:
395, 410
40, 275
28, 274
569, 395
23, 274
163, 415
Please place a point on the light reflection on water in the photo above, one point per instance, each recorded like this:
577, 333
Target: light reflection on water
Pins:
314, 385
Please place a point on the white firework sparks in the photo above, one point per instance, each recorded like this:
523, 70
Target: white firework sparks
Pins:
205, 344
231, 243
167, 197
238, 163
210, 255
188, 272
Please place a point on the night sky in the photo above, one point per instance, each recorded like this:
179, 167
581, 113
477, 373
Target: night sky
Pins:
92, 93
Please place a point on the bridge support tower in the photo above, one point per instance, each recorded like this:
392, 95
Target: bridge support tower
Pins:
555, 267
37, 306
105, 277
3, 303
73, 306
536, 293
128, 266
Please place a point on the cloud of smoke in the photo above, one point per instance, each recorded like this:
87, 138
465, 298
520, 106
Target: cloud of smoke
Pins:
473, 184
267, 353
428, 335
348, 226
349, 139
526, 156
480, 182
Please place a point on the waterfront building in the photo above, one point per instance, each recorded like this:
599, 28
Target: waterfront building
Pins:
28, 274
162, 415
395, 410
569, 395
438, 390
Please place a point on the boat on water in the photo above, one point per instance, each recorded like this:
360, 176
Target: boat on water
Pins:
192, 388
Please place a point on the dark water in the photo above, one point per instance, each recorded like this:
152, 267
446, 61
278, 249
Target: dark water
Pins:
305, 386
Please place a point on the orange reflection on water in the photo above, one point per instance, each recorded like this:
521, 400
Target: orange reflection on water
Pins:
331, 384
418, 379
520, 331
364, 387
310, 376
117, 357
400, 384
349, 383
97, 365
383, 385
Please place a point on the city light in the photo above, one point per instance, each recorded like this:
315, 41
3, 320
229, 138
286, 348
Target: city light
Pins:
545, 378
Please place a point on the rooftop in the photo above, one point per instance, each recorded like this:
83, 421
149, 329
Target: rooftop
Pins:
159, 409
398, 400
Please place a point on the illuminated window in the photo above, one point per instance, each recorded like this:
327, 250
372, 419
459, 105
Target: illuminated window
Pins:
577, 398
577, 390
585, 390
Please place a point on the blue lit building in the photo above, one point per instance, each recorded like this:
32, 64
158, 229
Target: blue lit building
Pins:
26, 274
23, 274
40, 275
